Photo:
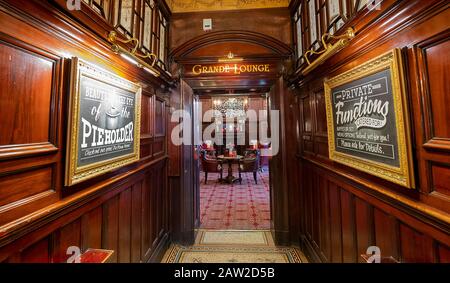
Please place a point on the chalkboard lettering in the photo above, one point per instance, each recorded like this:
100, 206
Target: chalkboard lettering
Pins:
106, 128
365, 119
104, 125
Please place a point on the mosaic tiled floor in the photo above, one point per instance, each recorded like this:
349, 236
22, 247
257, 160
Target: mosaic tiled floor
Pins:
239, 207
213, 246
231, 237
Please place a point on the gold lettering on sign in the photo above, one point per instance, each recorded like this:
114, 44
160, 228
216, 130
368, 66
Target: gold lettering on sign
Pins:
196, 69
235, 69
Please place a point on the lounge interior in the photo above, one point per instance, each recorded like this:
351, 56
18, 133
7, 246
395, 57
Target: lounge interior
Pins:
234, 177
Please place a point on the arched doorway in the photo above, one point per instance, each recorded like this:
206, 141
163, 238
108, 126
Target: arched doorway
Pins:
230, 63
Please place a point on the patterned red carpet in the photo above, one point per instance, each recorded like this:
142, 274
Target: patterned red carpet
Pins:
235, 207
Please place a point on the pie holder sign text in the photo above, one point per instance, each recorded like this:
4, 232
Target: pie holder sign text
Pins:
367, 125
104, 122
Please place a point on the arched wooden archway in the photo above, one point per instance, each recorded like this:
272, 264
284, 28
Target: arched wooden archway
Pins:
253, 47
273, 46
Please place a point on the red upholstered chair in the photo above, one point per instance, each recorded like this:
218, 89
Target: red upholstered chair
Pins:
210, 164
249, 164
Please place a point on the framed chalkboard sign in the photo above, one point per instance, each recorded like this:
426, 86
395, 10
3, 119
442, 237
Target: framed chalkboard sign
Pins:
104, 122
367, 123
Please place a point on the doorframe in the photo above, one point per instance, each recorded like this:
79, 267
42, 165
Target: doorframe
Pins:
279, 191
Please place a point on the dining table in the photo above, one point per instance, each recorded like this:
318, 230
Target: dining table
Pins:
230, 179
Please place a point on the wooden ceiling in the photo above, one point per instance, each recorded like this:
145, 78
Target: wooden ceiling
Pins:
185, 6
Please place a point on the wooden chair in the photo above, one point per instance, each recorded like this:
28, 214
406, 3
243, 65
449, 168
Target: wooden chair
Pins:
250, 163
210, 164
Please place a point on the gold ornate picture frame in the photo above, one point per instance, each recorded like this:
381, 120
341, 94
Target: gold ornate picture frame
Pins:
103, 124
368, 127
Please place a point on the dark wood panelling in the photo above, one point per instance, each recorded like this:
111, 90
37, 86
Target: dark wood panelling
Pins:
37, 253
91, 229
39, 217
436, 61
29, 144
315, 209
386, 234
160, 117
306, 115
325, 233
222, 48
188, 213
154, 203
321, 118
348, 228
293, 197
364, 227
279, 100
440, 178
136, 218
348, 224
124, 251
356, 210
307, 195
159, 146
173, 150
110, 233
429, 62
181, 172
416, 247
146, 148
113, 222
66, 237
335, 222
26, 96
185, 26
22, 185
443, 253
146, 118
146, 216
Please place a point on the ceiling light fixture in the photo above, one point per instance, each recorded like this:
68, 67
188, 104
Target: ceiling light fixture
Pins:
132, 56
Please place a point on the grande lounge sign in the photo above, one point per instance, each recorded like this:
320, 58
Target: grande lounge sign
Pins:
231, 69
